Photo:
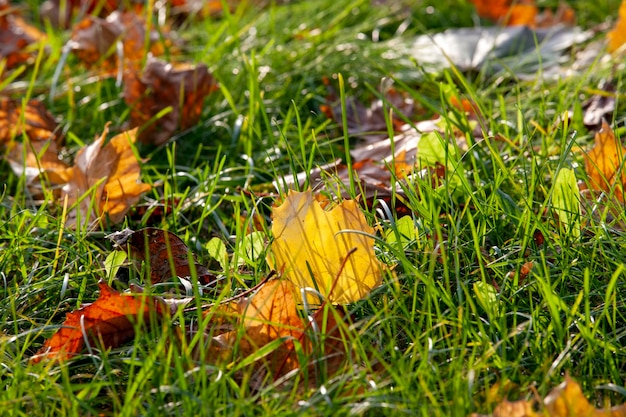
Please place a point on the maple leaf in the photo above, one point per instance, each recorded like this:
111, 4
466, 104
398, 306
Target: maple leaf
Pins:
617, 36
604, 163
166, 253
181, 87
331, 251
108, 170
111, 320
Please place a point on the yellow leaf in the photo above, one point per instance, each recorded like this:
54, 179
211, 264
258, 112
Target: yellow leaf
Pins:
330, 251
604, 163
568, 400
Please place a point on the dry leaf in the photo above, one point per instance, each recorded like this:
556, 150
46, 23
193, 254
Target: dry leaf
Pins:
111, 320
182, 88
568, 400
599, 107
272, 314
120, 37
617, 36
331, 251
110, 173
524, 12
370, 123
34, 159
506, 13
604, 163
16, 37
166, 253
32, 120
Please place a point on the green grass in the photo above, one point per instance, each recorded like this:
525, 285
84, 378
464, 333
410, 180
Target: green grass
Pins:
427, 343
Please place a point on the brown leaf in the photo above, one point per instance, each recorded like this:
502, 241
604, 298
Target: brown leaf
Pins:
96, 41
604, 163
110, 173
60, 12
110, 321
32, 120
182, 88
16, 37
370, 123
166, 253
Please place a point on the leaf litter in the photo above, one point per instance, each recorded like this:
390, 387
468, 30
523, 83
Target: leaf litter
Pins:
276, 320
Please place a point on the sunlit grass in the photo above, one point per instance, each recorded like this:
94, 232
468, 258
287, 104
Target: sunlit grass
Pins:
429, 342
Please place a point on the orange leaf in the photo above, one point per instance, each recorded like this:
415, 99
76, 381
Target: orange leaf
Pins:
502, 11
15, 36
604, 163
113, 171
272, 314
34, 158
32, 120
166, 253
617, 36
182, 88
110, 320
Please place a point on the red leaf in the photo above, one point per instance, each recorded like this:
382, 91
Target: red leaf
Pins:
111, 320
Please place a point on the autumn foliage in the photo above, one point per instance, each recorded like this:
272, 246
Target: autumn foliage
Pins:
109, 322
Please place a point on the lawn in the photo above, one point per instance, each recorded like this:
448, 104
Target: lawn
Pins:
500, 276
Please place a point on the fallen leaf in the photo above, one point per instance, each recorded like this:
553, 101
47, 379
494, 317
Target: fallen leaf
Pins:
617, 36
565, 400
524, 12
330, 251
166, 253
316, 345
115, 43
505, 12
16, 37
109, 322
521, 408
104, 181
370, 123
600, 106
31, 119
32, 159
568, 400
519, 50
604, 163
181, 88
